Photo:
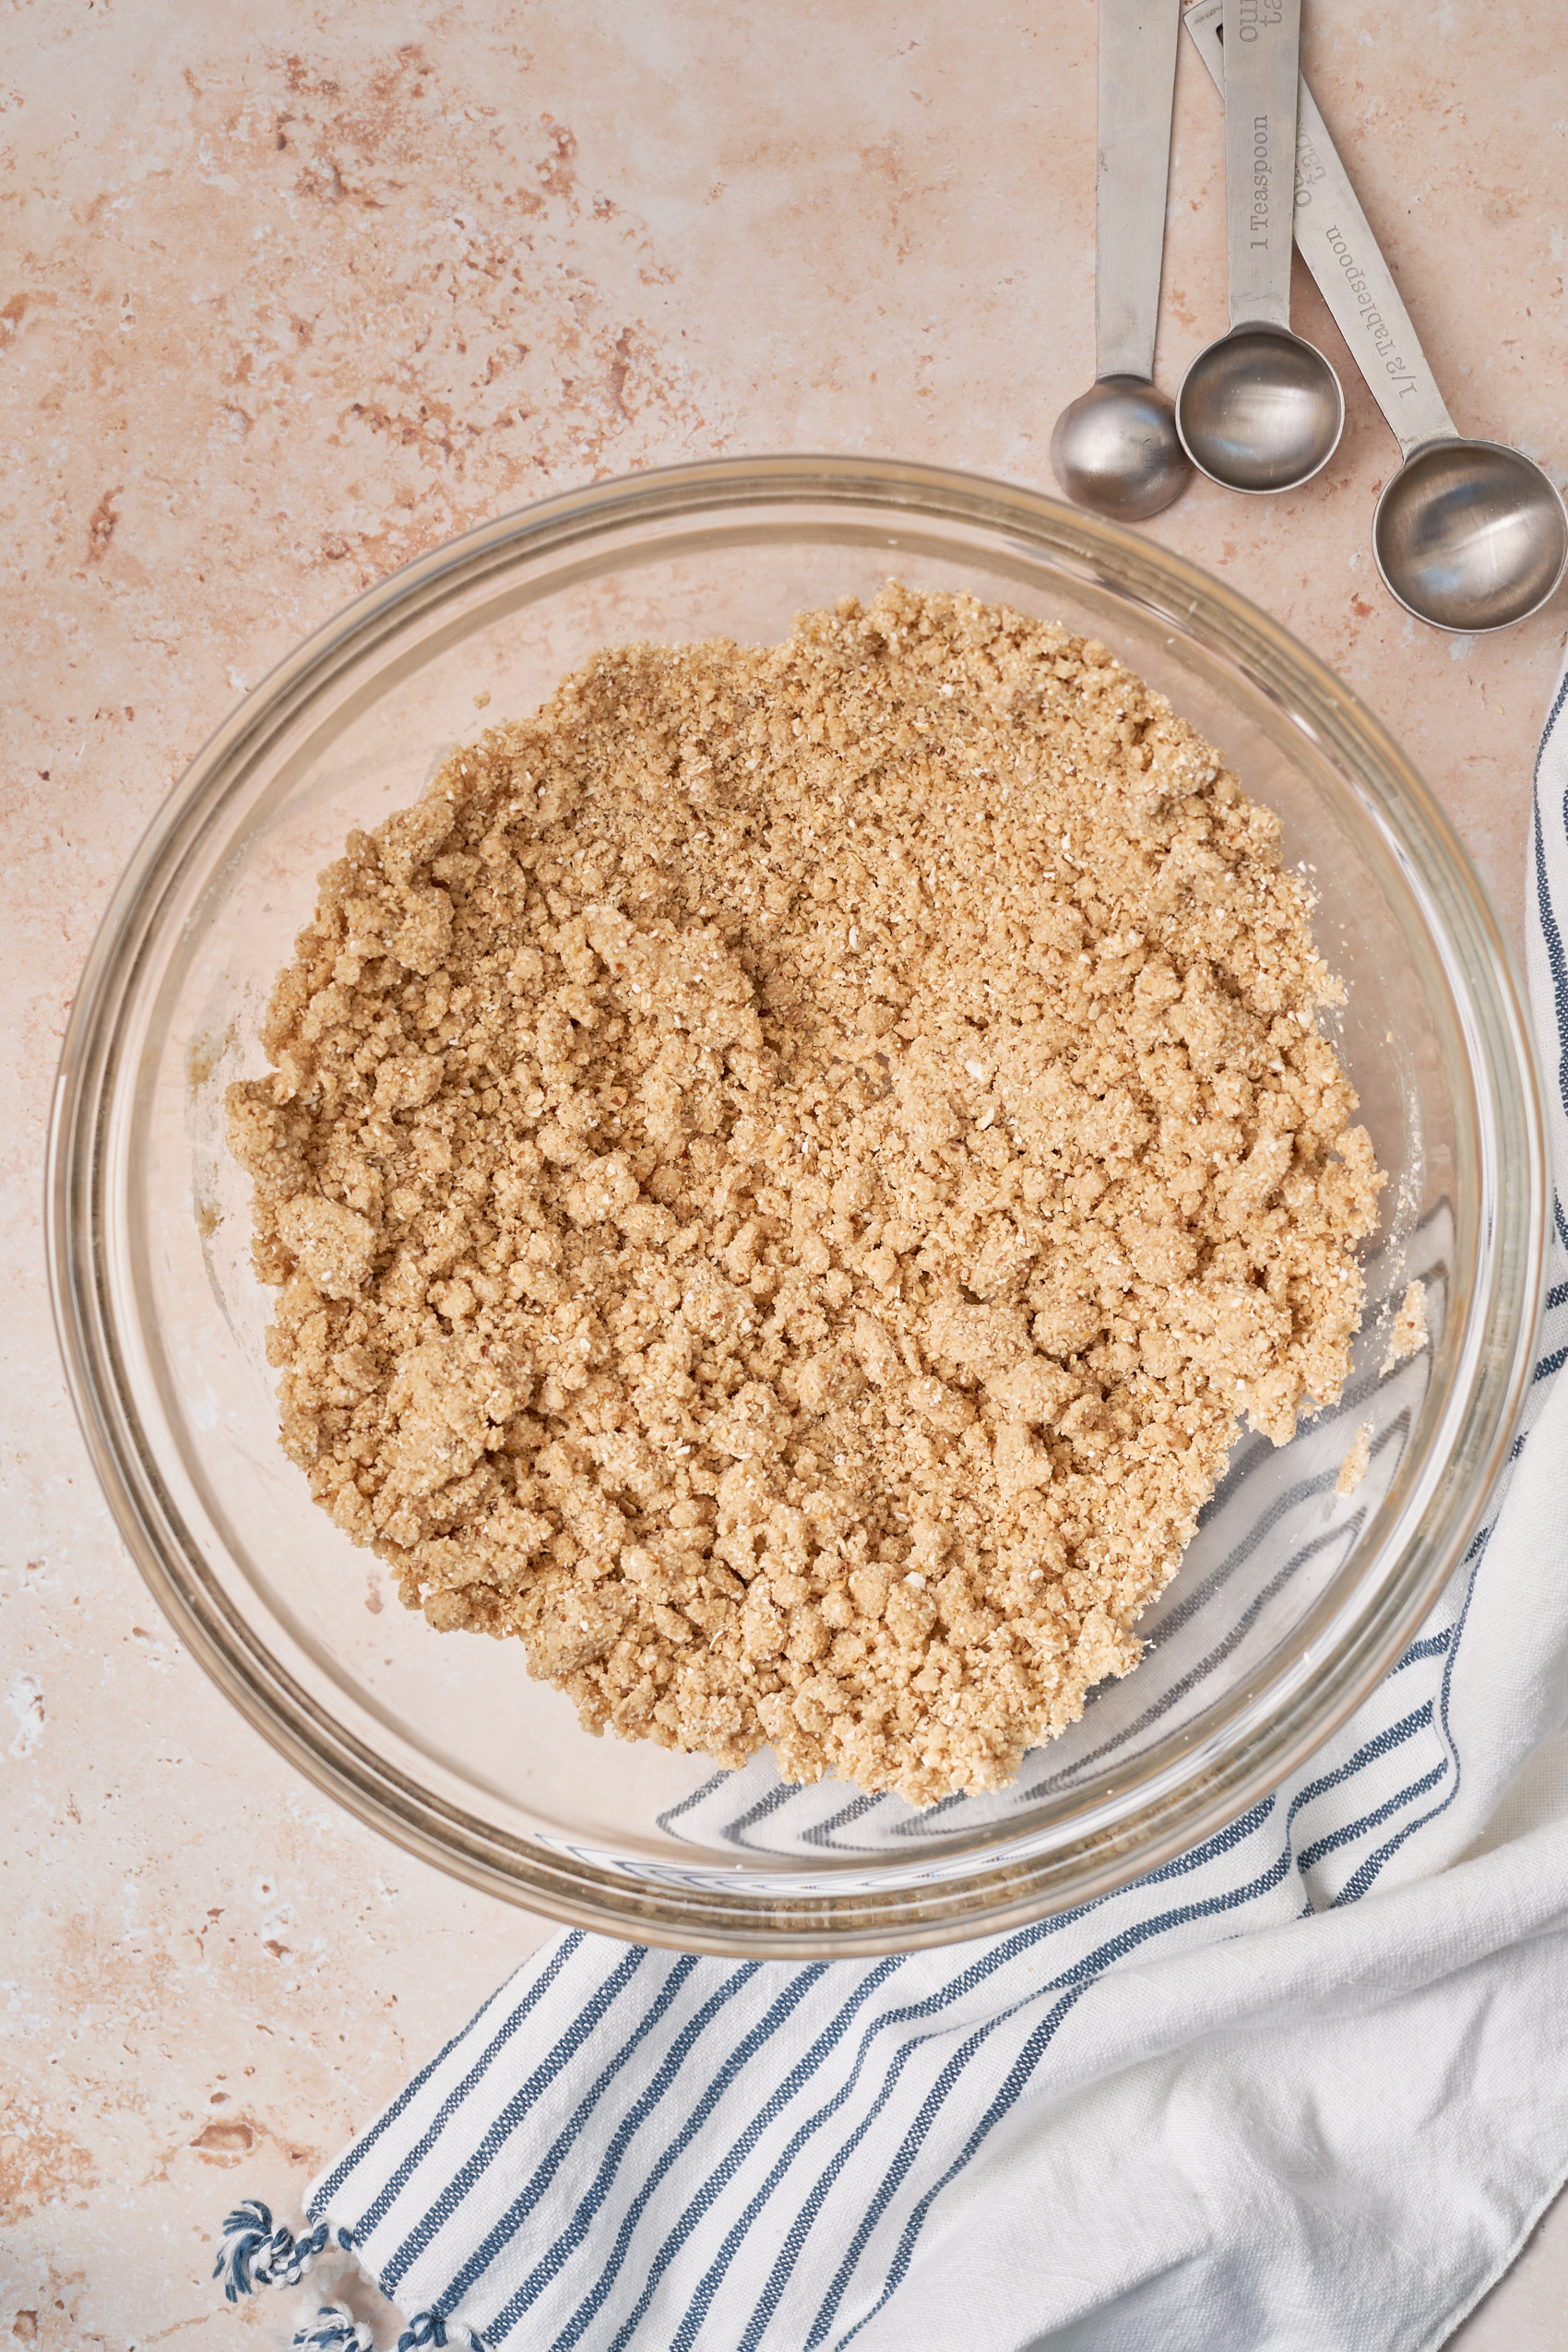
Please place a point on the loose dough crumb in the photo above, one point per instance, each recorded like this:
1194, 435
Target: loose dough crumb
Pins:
1353, 1468
783, 1171
1409, 1335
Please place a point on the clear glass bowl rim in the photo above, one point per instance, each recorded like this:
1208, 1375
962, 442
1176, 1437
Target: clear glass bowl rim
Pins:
997, 1891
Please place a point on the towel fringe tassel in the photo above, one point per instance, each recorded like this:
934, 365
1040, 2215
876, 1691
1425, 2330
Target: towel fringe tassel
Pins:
428, 2328
334, 2328
252, 2254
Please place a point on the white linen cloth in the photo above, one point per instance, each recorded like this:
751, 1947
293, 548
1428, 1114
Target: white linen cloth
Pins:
1303, 2089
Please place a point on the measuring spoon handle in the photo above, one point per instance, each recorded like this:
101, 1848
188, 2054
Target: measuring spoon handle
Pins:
1339, 247
1137, 82
1263, 50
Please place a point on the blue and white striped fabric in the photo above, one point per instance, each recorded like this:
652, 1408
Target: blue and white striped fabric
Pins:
1305, 2088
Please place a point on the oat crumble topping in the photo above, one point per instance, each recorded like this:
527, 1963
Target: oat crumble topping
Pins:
784, 1171
1407, 1335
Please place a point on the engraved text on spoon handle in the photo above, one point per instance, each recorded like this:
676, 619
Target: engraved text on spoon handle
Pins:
1339, 247
1263, 43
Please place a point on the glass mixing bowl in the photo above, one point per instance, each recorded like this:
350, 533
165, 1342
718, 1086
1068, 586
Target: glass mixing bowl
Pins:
1292, 1601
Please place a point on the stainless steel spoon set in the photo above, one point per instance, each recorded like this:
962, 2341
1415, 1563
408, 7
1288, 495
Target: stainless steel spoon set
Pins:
1468, 535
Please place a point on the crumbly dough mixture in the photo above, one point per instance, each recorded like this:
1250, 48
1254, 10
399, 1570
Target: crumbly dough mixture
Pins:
1354, 1468
1407, 1335
783, 1171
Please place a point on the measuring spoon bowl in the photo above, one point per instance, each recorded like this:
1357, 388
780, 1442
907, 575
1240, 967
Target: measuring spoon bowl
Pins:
1260, 410
1115, 450
1470, 535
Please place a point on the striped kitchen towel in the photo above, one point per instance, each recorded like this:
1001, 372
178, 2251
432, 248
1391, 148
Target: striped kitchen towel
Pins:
1302, 2089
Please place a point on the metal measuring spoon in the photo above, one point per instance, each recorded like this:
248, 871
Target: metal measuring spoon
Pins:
1114, 448
1468, 535
1260, 409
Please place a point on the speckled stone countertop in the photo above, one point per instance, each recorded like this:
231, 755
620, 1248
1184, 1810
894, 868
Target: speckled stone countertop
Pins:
289, 293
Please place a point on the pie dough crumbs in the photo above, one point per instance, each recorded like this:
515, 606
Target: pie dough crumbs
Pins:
783, 1171
1353, 1468
1409, 1334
